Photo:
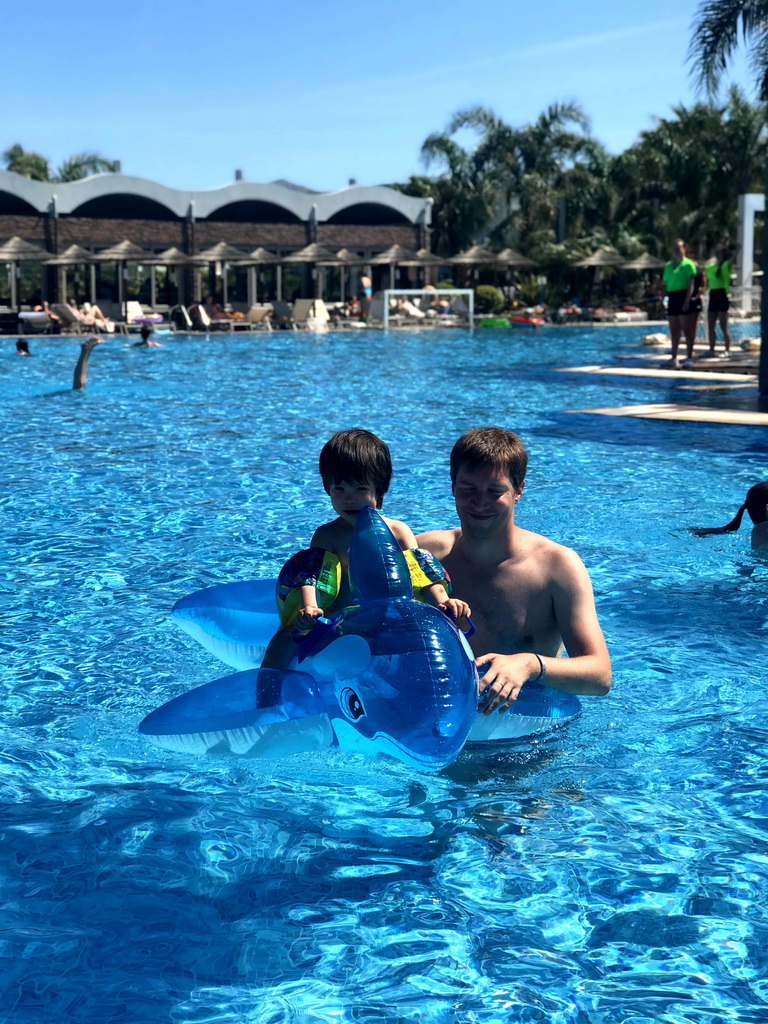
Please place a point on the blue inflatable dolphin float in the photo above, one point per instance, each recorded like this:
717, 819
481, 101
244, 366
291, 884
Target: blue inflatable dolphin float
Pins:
389, 675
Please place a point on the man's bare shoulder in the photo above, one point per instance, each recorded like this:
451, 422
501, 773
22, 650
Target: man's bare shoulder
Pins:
439, 542
562, 562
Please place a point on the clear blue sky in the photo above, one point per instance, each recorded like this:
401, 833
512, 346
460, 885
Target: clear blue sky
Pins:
184, 93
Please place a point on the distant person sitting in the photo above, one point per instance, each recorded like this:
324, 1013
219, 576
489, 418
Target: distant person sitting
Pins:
22, 348
406, 306
353, 308
89, 314
212, 308
146, 339
756, 505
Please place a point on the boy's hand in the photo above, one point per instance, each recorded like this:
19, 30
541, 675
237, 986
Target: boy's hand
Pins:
305, 618
455, 608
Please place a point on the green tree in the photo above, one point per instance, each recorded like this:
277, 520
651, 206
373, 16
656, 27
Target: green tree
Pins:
720, 26
32, 165
683, 177
26, 163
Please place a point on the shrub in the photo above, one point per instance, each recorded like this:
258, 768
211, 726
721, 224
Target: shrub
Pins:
488, 299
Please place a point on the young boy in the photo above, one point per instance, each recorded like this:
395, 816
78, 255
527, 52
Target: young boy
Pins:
356, 469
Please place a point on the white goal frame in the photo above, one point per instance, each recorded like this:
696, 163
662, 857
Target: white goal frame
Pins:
467, 293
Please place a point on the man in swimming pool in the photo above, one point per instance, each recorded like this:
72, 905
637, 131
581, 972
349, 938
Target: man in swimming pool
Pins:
530, 597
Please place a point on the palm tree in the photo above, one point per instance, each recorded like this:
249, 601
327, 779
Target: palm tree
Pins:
26, 163
720, 26
34, 166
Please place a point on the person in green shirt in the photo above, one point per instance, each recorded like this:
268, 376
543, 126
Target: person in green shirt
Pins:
719, 284
679, 276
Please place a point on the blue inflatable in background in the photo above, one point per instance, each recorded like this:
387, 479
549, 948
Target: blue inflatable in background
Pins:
390, 675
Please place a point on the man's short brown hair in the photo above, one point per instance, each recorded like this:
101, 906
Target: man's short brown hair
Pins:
490, 446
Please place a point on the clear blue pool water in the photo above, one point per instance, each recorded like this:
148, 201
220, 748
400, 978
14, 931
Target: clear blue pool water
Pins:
612, 872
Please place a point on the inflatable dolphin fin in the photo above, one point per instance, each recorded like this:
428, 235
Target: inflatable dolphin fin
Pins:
259, 713
378, 570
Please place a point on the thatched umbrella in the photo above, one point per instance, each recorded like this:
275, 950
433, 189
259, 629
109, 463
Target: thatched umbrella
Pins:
122, 253
260, 257
394, 256
476, 256
173, 259
423, 260
222, 253
315, 254
349, 259
73, 256
644, 262
601, 258
15, 251
346, 259
513, 258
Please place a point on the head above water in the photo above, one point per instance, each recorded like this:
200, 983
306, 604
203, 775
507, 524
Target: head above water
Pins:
755, 505
492, 447
356, 456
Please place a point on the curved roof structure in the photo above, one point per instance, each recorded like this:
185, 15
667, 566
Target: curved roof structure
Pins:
68, 197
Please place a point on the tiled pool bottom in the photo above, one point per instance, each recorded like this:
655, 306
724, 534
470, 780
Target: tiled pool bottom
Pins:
614, 872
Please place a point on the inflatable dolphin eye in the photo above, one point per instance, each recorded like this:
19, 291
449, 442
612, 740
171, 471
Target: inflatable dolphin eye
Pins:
351, 705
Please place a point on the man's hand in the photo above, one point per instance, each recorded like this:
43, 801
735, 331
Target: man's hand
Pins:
455, 609
503, 679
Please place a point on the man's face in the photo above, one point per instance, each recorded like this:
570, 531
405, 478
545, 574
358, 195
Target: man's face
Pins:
485, 499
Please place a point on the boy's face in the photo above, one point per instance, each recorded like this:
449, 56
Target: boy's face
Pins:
349, 496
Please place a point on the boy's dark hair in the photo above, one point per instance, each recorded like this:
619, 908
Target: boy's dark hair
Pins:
490, 446
356, 456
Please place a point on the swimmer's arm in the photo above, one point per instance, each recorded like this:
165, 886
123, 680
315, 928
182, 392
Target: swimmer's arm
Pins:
587, 669
403, 534
323, 537
438, 596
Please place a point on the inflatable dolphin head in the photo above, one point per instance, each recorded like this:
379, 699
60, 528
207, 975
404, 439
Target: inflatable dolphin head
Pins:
389, 676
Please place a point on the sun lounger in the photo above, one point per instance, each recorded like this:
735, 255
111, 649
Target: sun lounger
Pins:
282, 315
259, 317
180, 319
311, 314
70, 321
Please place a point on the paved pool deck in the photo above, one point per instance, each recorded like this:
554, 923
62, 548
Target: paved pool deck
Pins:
730, 386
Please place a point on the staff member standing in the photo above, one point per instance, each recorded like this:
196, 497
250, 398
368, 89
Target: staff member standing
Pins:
719, 283
679, 276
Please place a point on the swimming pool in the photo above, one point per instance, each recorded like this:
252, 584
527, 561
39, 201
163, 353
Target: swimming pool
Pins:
612, 872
